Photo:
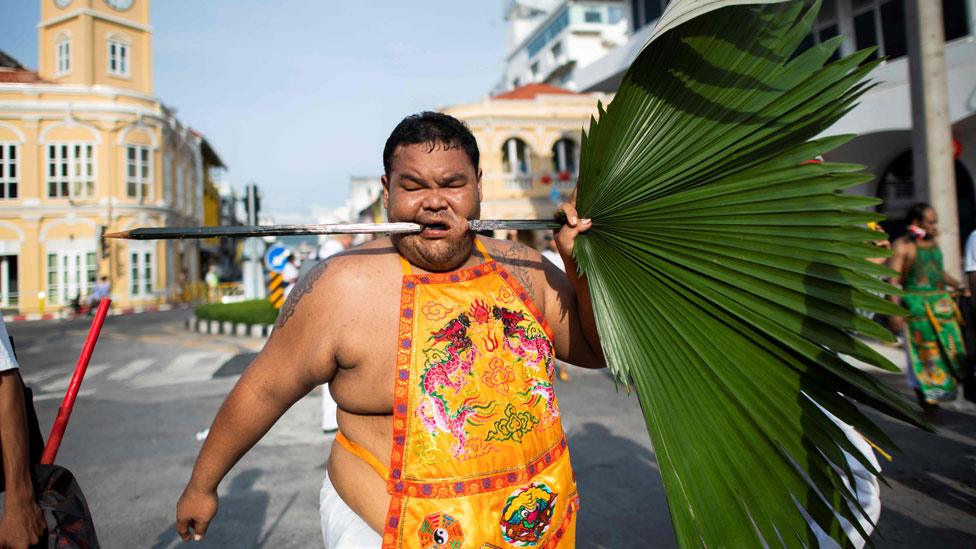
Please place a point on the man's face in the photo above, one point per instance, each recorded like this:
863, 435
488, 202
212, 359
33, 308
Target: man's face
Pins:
440, 189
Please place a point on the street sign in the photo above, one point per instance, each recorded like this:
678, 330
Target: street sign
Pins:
276, 290
276, 257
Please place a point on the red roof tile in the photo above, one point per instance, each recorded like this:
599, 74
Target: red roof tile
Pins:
529, 91
21, 76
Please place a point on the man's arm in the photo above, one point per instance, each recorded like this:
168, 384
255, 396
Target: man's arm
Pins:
569, 308
295, 360
22, 523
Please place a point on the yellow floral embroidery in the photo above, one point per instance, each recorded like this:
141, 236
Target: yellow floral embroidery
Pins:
498, 375
513, 426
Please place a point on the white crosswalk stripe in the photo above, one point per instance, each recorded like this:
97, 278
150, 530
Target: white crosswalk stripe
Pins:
185, 368
140, 373
131, 369
61, 384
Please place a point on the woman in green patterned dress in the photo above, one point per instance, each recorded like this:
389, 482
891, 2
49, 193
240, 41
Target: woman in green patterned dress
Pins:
936, 353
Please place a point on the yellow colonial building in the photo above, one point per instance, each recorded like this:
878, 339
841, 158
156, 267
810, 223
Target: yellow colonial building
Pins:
85, 148
529, 139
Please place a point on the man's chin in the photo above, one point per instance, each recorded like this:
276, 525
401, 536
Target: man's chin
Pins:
435, 255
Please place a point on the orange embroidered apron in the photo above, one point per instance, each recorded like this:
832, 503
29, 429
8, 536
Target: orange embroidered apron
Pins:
479, 456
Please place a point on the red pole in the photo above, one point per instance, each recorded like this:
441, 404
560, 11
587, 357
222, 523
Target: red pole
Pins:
64, 411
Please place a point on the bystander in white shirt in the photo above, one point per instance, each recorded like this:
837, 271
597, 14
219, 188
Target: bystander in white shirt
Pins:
969, 260
7, 360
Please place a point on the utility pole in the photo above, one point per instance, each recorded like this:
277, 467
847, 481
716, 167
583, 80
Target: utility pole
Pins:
253, 271
931, 128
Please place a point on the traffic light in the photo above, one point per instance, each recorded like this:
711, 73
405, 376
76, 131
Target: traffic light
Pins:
104, 247
252, 203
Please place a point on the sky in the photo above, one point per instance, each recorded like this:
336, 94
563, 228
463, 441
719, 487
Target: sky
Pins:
299, 95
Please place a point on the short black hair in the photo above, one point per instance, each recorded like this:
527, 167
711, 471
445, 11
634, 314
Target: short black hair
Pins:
917, 211
431, 128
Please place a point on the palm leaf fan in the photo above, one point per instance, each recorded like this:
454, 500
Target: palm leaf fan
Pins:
727, 275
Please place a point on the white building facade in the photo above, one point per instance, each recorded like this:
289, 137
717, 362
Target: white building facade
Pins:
549, 40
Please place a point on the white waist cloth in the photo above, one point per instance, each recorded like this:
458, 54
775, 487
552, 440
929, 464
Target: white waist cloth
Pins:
341, 526
865, 486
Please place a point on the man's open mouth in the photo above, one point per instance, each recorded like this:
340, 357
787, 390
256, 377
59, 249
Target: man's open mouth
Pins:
435, 227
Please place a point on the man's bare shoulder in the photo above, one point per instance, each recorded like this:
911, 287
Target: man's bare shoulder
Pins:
523, 261
345, 274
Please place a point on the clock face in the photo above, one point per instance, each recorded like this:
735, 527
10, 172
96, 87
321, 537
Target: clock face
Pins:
62, 3
120, 5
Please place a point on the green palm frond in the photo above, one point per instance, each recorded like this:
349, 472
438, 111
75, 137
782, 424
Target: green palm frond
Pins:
727, 277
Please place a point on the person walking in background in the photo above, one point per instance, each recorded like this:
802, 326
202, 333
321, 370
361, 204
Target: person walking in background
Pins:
968, 307
331, 247
102, 289
551, 253
289, 273
213, 284
336, 244
936, 353
969, 261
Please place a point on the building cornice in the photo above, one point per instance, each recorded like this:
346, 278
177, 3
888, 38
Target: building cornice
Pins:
75, 108
97, 15
32, 211
73, 89
505, 121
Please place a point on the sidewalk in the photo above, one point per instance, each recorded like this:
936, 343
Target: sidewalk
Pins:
30, 317
929, 490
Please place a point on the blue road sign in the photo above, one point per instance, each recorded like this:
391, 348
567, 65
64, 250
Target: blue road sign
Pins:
555, 196
276, 257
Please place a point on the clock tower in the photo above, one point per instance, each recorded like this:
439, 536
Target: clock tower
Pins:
96, 42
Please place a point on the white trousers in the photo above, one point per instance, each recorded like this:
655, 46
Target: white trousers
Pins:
329, 408
865, 486
341, 526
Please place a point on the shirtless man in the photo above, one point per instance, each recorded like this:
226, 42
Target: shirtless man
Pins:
477, 402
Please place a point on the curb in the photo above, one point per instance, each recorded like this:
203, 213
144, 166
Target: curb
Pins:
31, 317
225, 327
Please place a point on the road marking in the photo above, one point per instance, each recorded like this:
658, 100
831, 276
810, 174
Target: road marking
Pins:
131, 369
185, 368
62, 383
35, 379
52, 396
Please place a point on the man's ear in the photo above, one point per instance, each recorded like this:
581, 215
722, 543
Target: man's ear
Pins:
479, 184
386, 192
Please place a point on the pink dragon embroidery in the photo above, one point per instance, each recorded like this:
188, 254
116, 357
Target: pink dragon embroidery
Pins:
435, 417
525, 342
461, 353
442, 374
543, 390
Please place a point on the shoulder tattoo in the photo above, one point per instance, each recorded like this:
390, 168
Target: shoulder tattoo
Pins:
302, 287
516, 258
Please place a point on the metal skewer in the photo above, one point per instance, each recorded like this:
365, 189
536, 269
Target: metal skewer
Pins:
170, 233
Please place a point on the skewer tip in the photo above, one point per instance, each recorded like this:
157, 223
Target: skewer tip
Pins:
119, 234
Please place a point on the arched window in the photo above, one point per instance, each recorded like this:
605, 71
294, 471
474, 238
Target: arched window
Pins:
63, 55
564, 156
515, 157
